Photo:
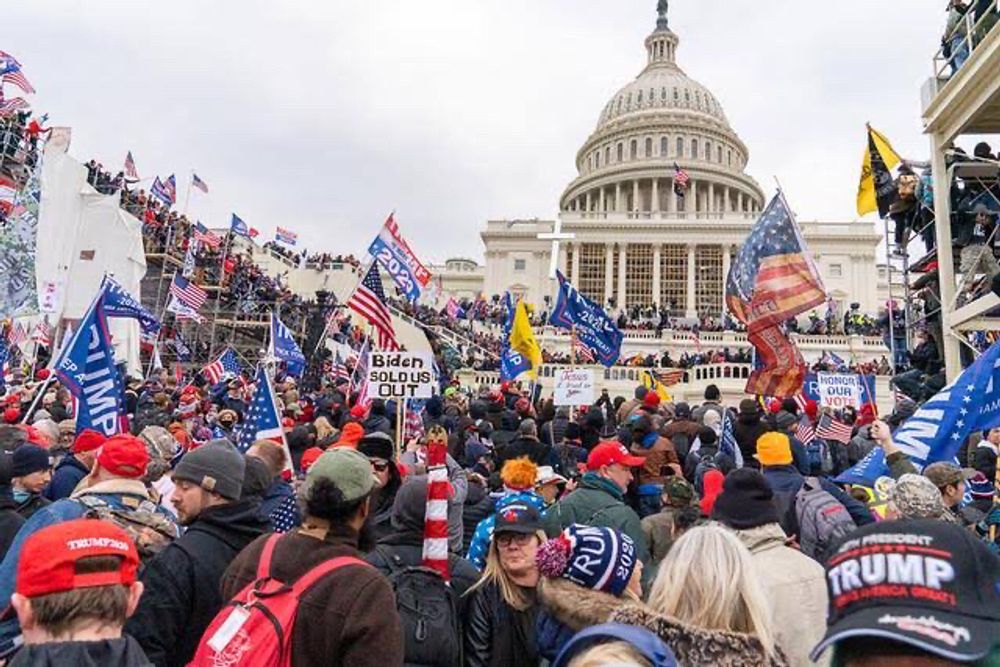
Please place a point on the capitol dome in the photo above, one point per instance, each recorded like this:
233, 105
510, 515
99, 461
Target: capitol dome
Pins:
661, 119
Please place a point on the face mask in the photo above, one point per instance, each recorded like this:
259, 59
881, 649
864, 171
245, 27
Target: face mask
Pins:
20, 496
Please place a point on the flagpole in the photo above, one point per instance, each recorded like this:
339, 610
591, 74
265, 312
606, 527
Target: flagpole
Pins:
187, 196
218, 293
889, 308
572, 359
400, 411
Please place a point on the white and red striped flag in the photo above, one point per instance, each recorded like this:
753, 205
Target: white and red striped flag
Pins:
368, 300
18, 79
42, 333
17, 334
438, 490
829, 428
804, 432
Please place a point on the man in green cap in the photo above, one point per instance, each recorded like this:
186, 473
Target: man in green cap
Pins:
349, 616
658, 528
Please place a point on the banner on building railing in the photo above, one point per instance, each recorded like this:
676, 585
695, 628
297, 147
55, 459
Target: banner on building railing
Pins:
394, 254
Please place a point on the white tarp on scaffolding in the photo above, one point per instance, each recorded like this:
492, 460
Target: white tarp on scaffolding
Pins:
81, 236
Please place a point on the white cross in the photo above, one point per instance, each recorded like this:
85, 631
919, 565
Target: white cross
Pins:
556, 235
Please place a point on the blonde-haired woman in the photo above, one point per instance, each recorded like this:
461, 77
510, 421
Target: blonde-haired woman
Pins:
501, 612
707, 603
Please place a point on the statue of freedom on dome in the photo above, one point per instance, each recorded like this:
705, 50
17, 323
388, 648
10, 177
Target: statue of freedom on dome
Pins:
662, 7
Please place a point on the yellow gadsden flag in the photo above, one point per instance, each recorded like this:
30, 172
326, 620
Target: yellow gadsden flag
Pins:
876, 189
650, 382
522, 338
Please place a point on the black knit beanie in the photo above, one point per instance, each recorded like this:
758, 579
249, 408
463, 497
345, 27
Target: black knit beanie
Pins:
746, 501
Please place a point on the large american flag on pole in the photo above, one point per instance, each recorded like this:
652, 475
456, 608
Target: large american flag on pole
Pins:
368, 300
203, 234
18, 79
772, 279
225, 363
263, 422
829, 428
189, 294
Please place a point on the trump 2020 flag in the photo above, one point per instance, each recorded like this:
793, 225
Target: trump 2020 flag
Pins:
262, 419
284, 348
119, 303
727, 442
394, 254
591, 323
86, 366
970, 403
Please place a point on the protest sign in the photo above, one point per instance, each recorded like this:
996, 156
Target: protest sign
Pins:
400, 375
574, 387
838, 390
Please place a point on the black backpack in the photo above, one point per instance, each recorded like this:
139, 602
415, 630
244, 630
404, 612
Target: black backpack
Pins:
428, 609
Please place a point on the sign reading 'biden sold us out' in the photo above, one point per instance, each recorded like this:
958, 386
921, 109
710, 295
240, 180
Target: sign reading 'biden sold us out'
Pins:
400, 375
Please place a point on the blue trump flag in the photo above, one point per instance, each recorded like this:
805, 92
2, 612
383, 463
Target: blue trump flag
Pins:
4, 353
284, 348
970, 403
119, 303
864, 473
727, 442
86, 366
592, 324
512, 362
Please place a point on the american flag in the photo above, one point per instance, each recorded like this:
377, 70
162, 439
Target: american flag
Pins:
681, 180
226, 363
286, 236
339, 369
203, 234
189, 294
413, 422
130, 171
359, 380
198, 183
582, 351
368, 300
8, 63
829, 428
804, 432
18, 79
671, 376
17, 334
262, 420
773, 277
42, 333
8, 107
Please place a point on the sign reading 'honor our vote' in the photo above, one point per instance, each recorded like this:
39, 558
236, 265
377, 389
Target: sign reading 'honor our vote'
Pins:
400, 375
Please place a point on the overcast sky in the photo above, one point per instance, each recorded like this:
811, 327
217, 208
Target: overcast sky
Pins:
322, 116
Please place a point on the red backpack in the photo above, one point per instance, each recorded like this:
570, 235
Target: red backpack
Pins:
255, 628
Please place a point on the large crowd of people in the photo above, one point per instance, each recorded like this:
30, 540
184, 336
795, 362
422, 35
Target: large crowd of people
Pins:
625, 532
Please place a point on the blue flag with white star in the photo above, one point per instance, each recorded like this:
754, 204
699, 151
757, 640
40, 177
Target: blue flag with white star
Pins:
727, 441
119, 303
970, 403
593, 326
262, 421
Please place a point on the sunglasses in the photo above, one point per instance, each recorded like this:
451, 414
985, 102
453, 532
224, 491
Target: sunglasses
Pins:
520, 539
380, 466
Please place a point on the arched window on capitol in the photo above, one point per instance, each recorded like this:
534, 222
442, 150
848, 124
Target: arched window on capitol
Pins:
633, 150
663, 146
680, 146
649, 147
621, 151
694, 148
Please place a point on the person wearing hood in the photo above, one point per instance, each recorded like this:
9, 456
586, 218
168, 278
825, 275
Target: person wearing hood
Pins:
10, 520
659, 457
377, 421
507, 431
76, 465
527, 444
586, 574
182, 581
403, 546
795, 583
278, 503
707, 604
518, 476
415, 460
73, 619
747, 429
378, 447
32, 471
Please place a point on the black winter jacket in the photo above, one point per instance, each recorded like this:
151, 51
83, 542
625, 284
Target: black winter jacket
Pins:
182, 582
407, 550
496, 635
10, 520
747, 429
123, 652
67, 475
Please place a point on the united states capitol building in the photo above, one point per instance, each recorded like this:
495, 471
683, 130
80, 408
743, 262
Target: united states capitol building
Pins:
625, 238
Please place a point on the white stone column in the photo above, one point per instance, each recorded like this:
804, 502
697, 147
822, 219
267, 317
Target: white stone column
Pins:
618, 198
692, 199
671, 198
726, 264
576, 262
622, 259
691, 308
604, 201
657, 248
609, 263
635, 196
587, 209
563, 262
710, 208
655, 208
726, 204
739, 202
